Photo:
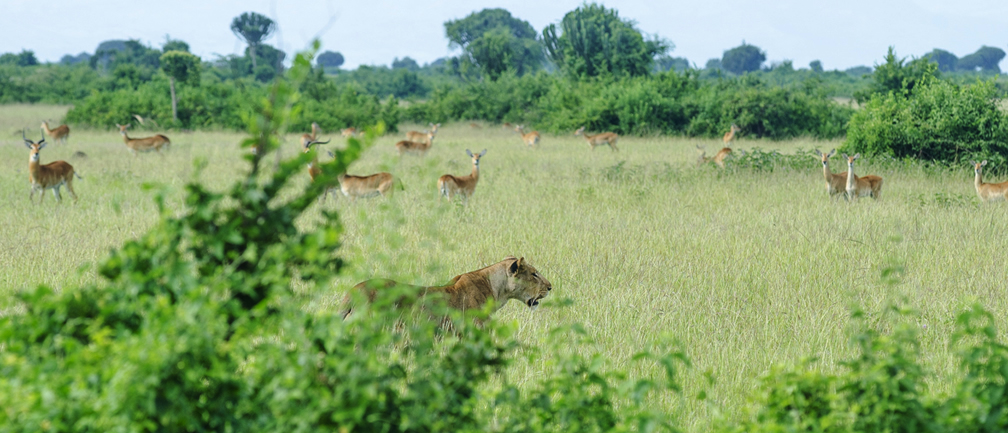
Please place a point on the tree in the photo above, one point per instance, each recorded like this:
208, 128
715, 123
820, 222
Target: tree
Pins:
985, 60
666, 63
898, 76
494, 41
947, 62
252, 28
815, 66
713, 64
174, 45
329, 59
405, 63
182, 67
743, 58
24, 58
594, 41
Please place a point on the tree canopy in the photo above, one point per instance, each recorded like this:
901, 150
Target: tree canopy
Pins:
252, 28
985, 59
947, 62
743, 58
330, 59
593, 41
493, 41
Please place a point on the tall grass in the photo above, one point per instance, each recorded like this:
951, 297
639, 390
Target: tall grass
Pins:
747, 268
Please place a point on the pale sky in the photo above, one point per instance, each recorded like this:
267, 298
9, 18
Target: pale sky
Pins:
840, 33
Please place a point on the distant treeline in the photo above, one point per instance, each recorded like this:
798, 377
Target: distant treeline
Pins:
593, 68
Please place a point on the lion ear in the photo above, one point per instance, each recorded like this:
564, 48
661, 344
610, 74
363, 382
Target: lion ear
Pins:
516, 266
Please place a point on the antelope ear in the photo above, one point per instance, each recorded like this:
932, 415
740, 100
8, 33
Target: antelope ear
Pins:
482, 153
973, 162
983, 163
831, 153
857, 155
844, 155
41, 144
468, 152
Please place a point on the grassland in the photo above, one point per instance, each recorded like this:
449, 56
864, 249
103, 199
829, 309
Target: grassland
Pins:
747, 269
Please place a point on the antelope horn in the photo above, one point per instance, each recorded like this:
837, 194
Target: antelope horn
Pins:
27, 142
320, 142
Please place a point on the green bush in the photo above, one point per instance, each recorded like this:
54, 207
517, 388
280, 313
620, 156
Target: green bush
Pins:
941, 121
666, 103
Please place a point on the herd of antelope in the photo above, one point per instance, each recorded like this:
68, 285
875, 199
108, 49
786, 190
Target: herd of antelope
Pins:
58, 173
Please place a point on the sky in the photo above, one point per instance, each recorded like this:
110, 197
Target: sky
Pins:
840, 33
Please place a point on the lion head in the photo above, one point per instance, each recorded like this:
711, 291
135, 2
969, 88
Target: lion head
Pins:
525, 283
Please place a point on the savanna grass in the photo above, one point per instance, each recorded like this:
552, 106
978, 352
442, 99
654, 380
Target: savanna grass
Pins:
747, 268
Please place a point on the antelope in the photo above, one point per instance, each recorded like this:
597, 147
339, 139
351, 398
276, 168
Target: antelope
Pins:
597, 139
418, 137
60, 134
313, 166
306, 139
356, 187
415, 147
730, 135
143, 144
475, 125
50, 176
988, 191
348, 132
531, 139
718, 158
836, 184
450, 186
861, 186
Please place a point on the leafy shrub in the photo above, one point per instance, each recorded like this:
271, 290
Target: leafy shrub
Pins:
668, 103
941, 121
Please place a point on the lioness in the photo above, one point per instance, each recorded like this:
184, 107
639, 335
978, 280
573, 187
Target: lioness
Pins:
508, 279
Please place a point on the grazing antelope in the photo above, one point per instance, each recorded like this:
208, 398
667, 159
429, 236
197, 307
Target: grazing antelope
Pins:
415, 147
718, 158
308, 138
146, 144
531, 139
450, 186
50, 176
59, 135
475, 125
374, 185
861, 186
988, 191
348, 132
836, 184
730, 135
609, 138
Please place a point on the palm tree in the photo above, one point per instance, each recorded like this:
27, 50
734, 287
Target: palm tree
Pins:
252, 28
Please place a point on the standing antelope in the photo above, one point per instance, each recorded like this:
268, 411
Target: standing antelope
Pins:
348, 132
609, 138
50, 176
730, 135
415, 147
988, 191
308, 138
60, 134
417, 136
835, 183
143, 144
313, 165
861, 186
450, 186
531, 139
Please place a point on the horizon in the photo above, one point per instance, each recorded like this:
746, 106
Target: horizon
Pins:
841, 36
